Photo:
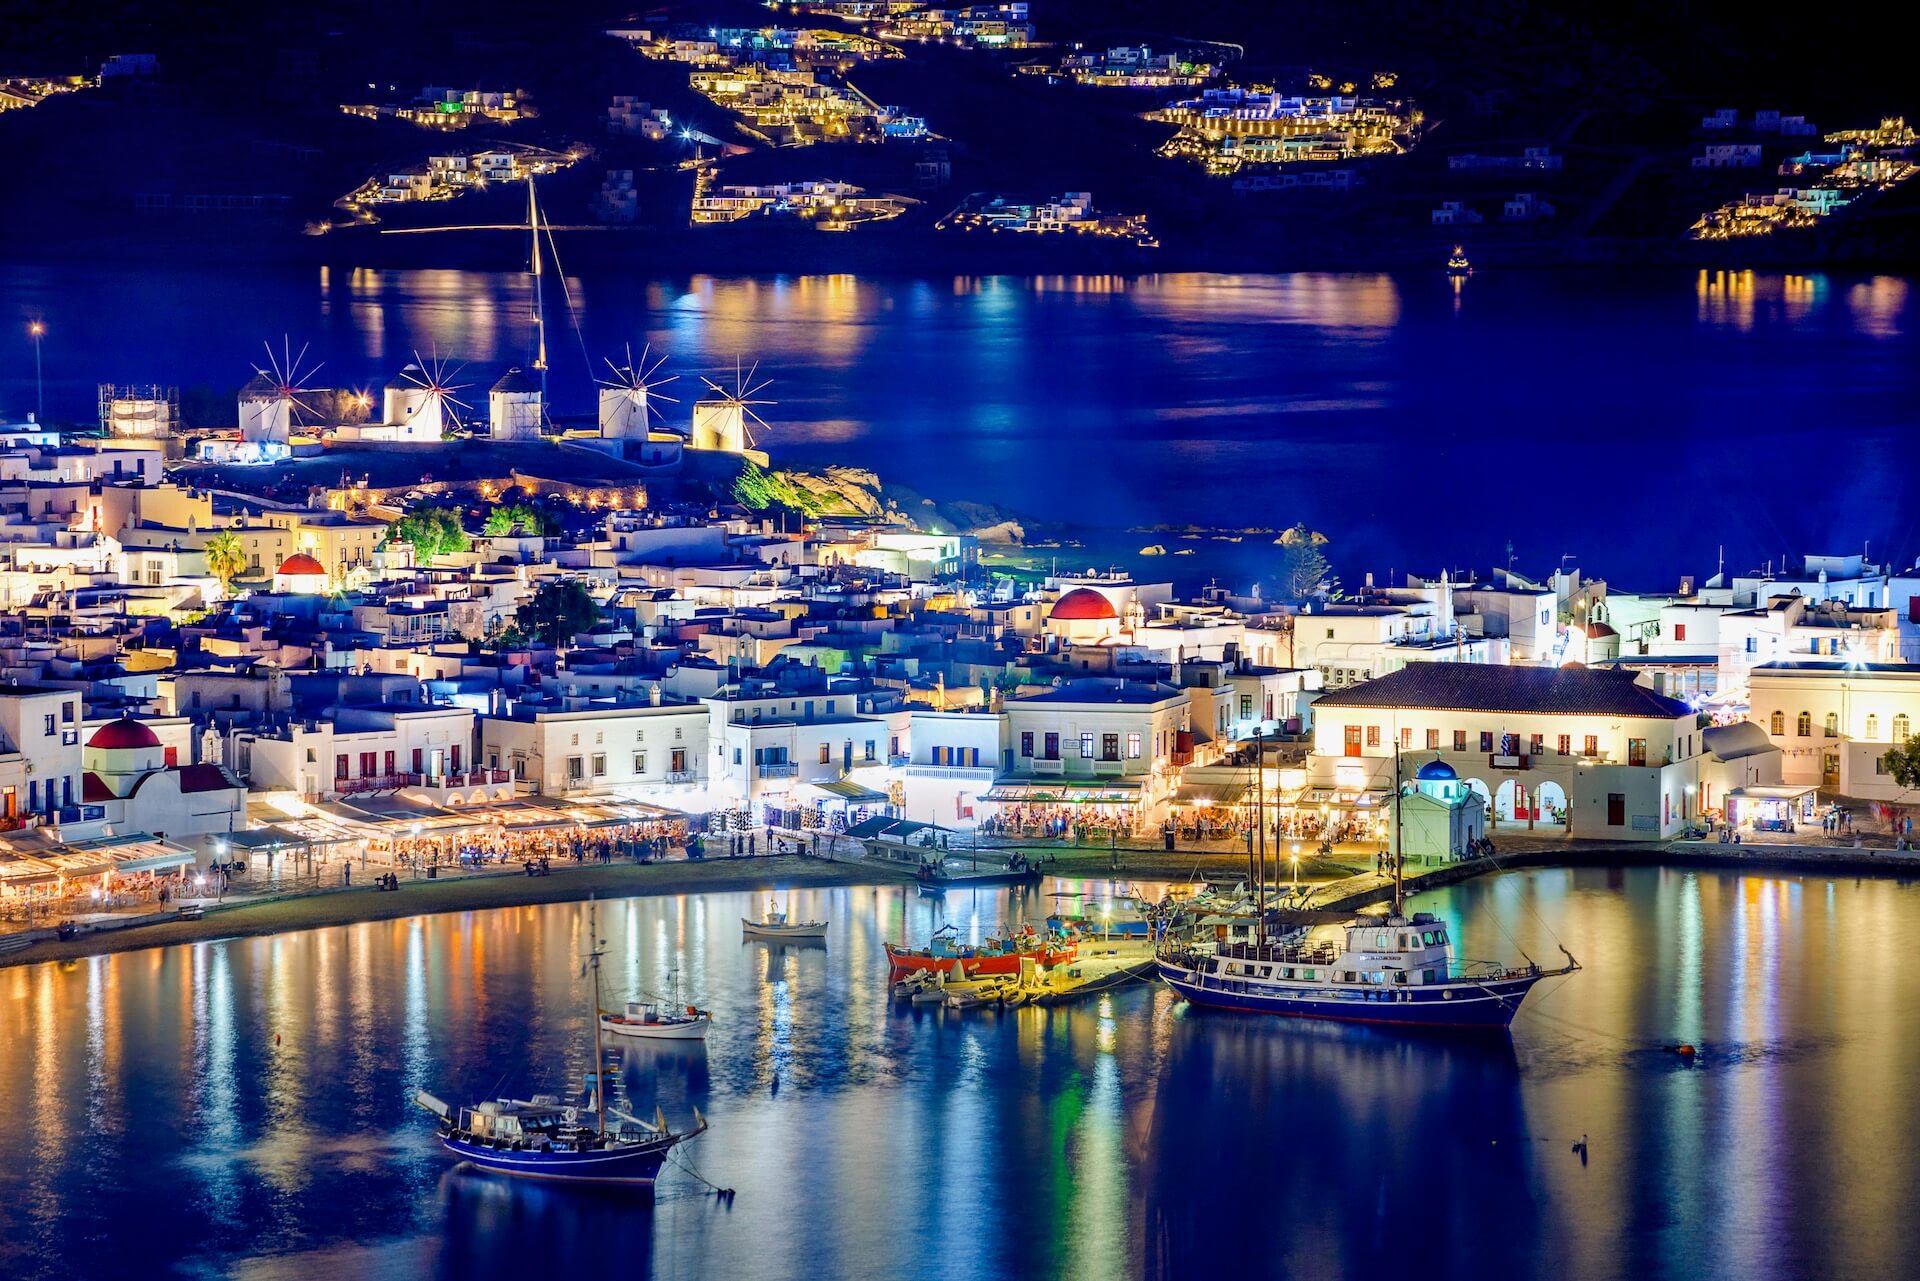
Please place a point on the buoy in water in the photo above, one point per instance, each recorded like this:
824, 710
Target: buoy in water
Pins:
1685, 1051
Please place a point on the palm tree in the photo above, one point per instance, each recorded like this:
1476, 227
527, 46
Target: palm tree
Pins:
226, 558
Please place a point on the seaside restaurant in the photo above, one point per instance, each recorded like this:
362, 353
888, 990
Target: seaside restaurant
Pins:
41, 877
1065, 808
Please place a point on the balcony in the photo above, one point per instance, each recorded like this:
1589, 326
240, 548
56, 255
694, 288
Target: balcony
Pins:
1045, 765
898, 759
1497, 761
371, 783
777, 769
472, 778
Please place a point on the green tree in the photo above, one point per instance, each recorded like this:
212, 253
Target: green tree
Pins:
226, 559
1304, 570
430, 531
1903, 764
502, 521
561, 609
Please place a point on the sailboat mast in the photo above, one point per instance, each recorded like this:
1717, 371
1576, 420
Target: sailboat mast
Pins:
1399, 884
599, 1064
1260, 820
539, 300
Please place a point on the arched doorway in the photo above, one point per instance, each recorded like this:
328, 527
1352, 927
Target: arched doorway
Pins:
1486, 796
1513, 803
1552, 799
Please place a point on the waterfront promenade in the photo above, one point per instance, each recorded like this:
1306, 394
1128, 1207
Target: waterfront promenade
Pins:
1346, 881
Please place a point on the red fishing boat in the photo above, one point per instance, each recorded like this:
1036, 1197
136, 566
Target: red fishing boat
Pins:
993, 956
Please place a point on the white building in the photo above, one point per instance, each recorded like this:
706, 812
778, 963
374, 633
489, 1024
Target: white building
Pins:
1110, 743
653, 751
514, 408
1593, 752
133, 779
1834, 721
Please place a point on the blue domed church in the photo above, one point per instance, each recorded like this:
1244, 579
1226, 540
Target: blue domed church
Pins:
1440, 816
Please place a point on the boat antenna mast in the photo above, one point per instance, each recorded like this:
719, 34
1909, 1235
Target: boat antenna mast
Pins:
539, 303
1260, 841
599, 1062
1399, 883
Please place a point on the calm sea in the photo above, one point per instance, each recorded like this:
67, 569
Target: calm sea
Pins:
239, 1108
1637, 422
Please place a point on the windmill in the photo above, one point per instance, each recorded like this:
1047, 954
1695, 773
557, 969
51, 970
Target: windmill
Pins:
270, 403
720, 423
627, 395
423, 399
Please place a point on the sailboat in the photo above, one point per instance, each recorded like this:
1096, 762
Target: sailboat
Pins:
1396, 969
541, 1138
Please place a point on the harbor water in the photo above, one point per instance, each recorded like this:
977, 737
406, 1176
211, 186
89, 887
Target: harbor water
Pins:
1638, 422
240, 1107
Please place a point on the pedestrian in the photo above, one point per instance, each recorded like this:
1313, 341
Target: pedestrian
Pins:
347, 874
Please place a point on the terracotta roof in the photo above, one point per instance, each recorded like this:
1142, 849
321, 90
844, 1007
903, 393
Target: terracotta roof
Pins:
1083, 604
123, 733
1479, 687
206, 777
301, 563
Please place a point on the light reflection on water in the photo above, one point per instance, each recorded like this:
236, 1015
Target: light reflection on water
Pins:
1372, 406
160, 1127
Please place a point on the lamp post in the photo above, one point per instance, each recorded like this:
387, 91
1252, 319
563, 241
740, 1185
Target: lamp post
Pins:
37, 330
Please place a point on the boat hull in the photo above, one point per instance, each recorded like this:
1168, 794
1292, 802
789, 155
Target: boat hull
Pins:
634, 1166
906, 961
690, 1030
1488, 1006
940, 884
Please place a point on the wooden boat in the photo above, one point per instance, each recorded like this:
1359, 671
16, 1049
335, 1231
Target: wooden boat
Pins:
938, 875
648, 1020
945, 954
775, 925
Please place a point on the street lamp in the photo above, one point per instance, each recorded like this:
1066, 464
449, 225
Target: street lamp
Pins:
37, 330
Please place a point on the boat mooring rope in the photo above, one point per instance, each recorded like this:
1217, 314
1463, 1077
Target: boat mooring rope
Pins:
725, 1194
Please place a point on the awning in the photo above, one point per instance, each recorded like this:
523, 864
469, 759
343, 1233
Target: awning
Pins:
1224, 794
132, 852
1765, 792
898, 829
1065, 793
851, 792
265, 838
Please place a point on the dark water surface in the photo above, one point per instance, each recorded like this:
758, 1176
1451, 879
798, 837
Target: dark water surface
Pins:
154, 1127
1637, 421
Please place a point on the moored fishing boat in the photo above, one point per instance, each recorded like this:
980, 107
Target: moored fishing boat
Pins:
939, 874
660, 1021
773, 924
541, 1138
944, 952
650, 1021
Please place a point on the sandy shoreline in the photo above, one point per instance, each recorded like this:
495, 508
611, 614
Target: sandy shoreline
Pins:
624, 880
569, 884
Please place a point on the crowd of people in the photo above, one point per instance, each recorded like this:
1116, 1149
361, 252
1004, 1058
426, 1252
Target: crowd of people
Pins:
642, 840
